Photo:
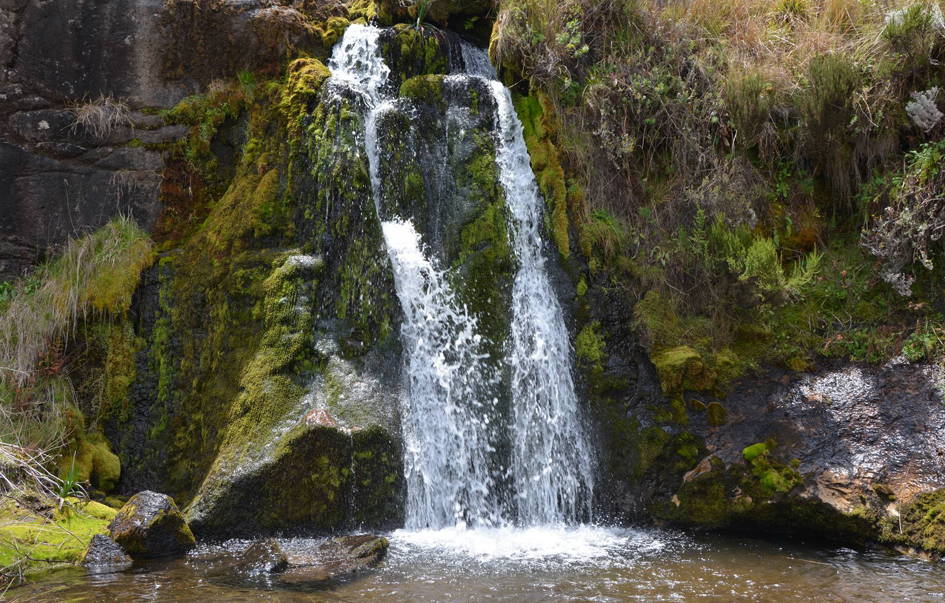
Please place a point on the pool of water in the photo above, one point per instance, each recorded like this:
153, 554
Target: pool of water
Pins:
531, 566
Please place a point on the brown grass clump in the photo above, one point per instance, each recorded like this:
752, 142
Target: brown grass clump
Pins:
101, 117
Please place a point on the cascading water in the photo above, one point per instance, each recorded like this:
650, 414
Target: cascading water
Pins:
450, 422
447, 417
552, 460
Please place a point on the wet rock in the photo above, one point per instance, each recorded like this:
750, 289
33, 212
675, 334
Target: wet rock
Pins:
151, 525
840, 453
337, 558
263, 557
104, 554
473, 16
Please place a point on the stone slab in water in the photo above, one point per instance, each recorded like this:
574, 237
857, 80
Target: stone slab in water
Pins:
104, 555
337, 558
263, 557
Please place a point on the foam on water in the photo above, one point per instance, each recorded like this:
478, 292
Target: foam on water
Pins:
569, 546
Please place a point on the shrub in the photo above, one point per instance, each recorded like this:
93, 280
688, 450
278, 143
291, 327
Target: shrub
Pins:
748, 96
94, 277
910, 229
915, 36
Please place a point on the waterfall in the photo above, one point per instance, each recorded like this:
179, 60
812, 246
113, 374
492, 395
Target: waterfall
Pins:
552, 463
446, 420
449, 412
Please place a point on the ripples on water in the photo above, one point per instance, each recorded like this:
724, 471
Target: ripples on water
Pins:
534, 566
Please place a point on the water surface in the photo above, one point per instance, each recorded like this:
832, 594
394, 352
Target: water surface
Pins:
531, 566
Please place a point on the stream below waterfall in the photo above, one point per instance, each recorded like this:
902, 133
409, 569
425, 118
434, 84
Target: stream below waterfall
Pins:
530, 566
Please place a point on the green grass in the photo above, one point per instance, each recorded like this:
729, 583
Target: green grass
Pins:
32, 542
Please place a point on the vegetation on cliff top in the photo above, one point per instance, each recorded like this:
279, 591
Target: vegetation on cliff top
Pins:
763, 178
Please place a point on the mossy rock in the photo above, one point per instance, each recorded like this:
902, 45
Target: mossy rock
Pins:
409, 52
151, 525
313, 477
51, 536
89, 459
681, 368
716, 414
921, 524
426, 89
754, 451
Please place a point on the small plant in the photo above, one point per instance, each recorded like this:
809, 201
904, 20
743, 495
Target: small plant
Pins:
423, 7
922, 109
68, 484
101, 117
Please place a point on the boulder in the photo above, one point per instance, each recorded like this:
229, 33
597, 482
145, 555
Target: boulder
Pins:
151, 525
337, 558
262, 557
104, 554
852, 452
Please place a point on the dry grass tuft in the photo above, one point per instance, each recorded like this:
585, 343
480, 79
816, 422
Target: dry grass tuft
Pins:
101, 117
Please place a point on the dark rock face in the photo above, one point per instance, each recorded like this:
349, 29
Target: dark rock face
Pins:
853, 429
210, 39
263, 557
150, 52
151, 525
48, 199
104, 554
843, 453
337, 558
59, 181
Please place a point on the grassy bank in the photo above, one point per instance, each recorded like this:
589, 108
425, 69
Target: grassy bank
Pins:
762, 179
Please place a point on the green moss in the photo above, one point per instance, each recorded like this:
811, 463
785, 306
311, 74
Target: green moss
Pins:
538, 121
331, 30
412, 51
678, 367
754, 451
590, 348
921, 524
304, 80
484, 264
44, 543
425, 89
716, 414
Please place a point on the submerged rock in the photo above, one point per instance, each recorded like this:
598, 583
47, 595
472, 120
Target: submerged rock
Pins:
151, 525
104, 554
263, 557
337, 558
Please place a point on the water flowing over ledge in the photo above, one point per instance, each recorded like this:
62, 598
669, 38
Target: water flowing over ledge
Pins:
450, 415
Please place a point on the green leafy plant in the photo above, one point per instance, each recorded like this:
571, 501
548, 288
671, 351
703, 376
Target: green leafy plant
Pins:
423, 7
69, 484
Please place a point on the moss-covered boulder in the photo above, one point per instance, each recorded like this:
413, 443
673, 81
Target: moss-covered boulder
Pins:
88, 459
475, 17
151, 525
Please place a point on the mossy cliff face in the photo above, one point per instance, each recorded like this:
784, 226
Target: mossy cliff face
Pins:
267, 364
687, 438
242, 327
